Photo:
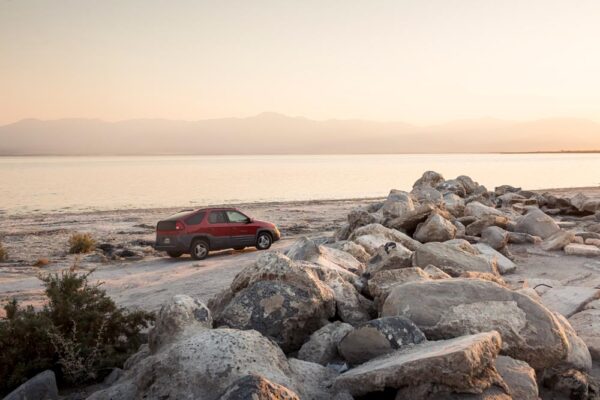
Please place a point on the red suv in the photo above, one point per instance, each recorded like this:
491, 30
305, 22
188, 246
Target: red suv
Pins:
200, 231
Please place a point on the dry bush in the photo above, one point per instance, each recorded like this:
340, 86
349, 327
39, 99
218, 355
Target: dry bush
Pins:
81, 243
41, 262
3, 253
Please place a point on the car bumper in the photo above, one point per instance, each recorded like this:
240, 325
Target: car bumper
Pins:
169, 243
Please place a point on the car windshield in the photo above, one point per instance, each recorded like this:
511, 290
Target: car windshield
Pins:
236, 216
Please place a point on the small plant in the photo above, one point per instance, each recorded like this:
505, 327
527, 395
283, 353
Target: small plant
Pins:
41, 262
81, 243
3, 253
78, 334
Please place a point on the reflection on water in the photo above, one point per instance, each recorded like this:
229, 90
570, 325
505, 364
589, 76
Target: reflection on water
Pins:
83, 183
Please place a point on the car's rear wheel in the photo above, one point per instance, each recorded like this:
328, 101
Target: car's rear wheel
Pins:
199, 249
174, 254
239, 248
264, 241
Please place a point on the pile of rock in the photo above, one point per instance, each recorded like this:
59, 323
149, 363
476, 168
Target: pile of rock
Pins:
407, 302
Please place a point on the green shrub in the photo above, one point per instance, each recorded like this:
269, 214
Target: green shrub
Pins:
79, 334
81, 243
3, 253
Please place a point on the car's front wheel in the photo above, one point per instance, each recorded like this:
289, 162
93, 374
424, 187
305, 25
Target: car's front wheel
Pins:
174, 254
263, 241
199, 249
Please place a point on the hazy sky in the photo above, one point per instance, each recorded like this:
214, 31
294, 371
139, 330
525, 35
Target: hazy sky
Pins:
417, 61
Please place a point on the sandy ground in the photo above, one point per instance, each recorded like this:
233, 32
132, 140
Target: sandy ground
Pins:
153, 277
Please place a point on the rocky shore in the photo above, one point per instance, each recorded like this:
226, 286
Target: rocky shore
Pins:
419, 296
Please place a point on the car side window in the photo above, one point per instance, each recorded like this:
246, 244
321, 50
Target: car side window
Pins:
236, 217
217, 217
195, 219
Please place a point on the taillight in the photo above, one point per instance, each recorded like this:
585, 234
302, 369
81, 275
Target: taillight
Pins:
179, 226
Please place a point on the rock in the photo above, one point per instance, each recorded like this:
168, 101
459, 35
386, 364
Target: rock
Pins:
350, 305
360, 217
505, 266
465, 363
483, 276
427, 195
398, 203
175, 316
435, 229
390, 256
448, 257
382, 282
587, 325
40, 387
143, 352
558, 241
305, 249
503, 189
452, 186
478, 210
469, 184
587, 235
438, 392
114, 376
452, 307
409, 221
536, 223
255, 387
312, 381
430, 179
495, 237
202, 366
454, 204
476, 228
593, 242
461, 230
435, 273
584, 250
519, 377
568, 300
578, 355
522, 238
378, 337
379, 236
571, 383
356, 250
321, 348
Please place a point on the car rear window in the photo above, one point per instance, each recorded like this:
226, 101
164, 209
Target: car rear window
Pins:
195, 219
166, 225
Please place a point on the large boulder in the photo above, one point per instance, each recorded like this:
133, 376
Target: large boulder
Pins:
312, 381
382, 282
435, 229
469, 184
453, 186
397, 203
578, 354
373, 236
392, 255
202, 366
558, 240
505, 265
454, 204
587, 325
495, 237
429, 179
451, 258
378, 337
463, 364
452, 307
174, 317
322, 348
40, 387
519, 377
256, 387
409, 221
569, 300
537, 223
282, 299
478, 210
356, 250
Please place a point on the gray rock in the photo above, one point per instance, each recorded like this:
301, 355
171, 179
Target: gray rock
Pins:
40, 387
495, 237
439, 392
451, 258
503, 189
255, 387
321, 347
463, 364
430, 179
519, 377
452, 186
435, 229
587, 325
476, 228
360, 217
392, 255
378, 235
143, 352
409, 221
312, 381
578, 355
478, 210
569, 300
428, 195
356, 250
558, 241
378, 337
435, 273
175, 317
115, 375
584, 250
452, 307
398, 203
505, 265
305, 249
350, 305
382, 282
469, 184
202, 366
523, 238
536, 223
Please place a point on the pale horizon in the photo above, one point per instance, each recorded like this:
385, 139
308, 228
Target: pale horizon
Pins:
419, 63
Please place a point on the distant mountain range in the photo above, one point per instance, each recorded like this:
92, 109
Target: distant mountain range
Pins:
271, 133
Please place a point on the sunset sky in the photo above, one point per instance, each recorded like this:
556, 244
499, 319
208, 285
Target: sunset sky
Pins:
422, 62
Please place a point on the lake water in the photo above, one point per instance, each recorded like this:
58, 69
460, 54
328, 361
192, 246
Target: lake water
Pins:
90, 183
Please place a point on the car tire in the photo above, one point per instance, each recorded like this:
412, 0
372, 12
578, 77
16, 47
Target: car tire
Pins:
264, 241
199, 249
174, 254
239, 248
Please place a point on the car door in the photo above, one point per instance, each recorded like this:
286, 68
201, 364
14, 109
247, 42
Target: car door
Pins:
219, 230
242, 233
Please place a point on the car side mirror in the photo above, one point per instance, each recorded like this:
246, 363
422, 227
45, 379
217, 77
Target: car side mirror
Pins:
249, 220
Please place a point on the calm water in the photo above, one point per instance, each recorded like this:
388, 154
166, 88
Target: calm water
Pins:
89, 183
